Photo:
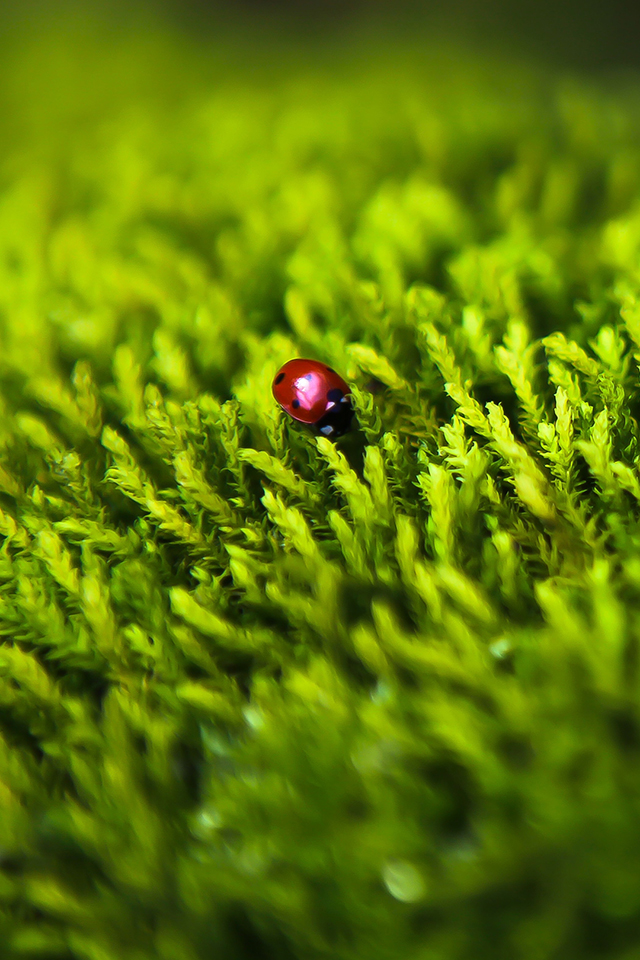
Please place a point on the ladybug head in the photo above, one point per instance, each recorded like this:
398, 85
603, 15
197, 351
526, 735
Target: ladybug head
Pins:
336, 421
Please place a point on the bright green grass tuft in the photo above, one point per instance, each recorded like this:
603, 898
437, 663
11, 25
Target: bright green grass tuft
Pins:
263, 696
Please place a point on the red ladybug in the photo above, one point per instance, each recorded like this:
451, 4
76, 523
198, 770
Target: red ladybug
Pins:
313, 393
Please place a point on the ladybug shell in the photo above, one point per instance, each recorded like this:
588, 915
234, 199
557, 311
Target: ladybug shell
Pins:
308, 389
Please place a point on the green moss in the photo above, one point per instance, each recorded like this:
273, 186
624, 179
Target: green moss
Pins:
261, 695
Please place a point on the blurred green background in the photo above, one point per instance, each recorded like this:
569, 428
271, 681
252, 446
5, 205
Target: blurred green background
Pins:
69, 59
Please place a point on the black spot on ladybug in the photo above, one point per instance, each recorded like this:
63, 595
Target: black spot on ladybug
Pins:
330, 369
335, 395
279, 378
295, 404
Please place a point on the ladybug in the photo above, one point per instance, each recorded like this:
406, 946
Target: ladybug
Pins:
313, 393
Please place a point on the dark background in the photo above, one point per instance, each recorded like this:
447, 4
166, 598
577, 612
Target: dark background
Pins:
588, 35
584, 34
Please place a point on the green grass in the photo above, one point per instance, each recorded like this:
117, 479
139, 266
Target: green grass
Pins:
263, 696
